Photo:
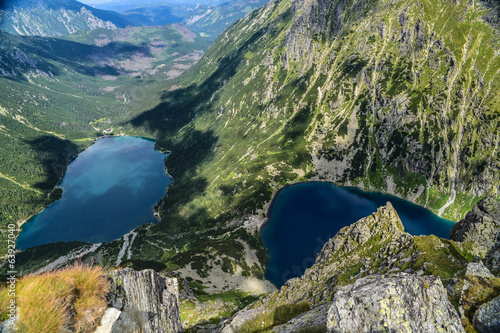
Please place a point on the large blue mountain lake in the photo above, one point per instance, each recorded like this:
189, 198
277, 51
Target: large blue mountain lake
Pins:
109, 189
303, 217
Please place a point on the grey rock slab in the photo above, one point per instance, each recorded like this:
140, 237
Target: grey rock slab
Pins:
487, 317
393, 303
148, 301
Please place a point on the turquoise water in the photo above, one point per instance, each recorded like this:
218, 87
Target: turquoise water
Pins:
109, 189
303, 217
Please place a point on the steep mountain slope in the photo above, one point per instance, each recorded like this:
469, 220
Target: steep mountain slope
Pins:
55, 17
394, 97
374, 249
56, 96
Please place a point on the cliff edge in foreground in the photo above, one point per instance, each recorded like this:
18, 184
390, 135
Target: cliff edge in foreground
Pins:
400, 303
141, 301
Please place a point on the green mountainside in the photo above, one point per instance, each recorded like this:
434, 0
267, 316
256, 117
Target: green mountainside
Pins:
399, 97
409, 109
55, 17
58, 95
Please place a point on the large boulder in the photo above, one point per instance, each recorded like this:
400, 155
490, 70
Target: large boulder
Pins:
487, 317
480, 228
393, 303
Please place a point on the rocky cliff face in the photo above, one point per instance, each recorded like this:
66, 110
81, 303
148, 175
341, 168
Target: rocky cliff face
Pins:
393, 303
487, 317
395, 96
480, 230
142, 301
370, 270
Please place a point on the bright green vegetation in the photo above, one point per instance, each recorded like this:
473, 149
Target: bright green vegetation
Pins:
401, 103
211, 308
400, 100
257, 113
58, 95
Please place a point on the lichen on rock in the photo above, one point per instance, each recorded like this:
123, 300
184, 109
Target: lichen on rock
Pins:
481, 226
393, 303
487, 317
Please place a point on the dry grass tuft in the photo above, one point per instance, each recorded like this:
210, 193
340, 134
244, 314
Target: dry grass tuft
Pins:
72, 298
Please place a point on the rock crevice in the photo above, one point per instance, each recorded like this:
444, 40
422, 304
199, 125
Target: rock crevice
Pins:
146, 302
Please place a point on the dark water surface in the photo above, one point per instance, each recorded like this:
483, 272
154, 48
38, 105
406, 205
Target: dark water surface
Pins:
109, 189
305, 216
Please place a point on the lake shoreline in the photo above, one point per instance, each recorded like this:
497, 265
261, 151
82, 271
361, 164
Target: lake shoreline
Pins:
271, 204
303, 216
71, 158
106, 164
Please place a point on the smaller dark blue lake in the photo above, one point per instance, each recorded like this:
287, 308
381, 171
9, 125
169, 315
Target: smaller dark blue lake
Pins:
109, 189
303, 217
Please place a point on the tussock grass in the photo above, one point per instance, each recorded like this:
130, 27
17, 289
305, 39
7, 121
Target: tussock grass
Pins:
278, 316
72, 298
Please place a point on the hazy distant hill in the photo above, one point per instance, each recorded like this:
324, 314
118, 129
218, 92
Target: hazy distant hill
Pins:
207, 18
212, 20
55, 18
159, 15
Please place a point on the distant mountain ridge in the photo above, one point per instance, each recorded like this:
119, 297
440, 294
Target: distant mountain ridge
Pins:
54, 18
207, 19
212, 20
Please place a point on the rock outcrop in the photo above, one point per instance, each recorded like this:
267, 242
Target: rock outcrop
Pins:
487, 317
147, 302
393, 303
478, 287
376, 245
480, 228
